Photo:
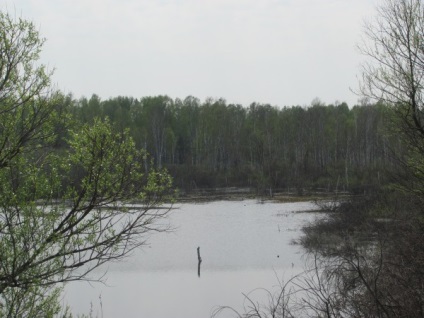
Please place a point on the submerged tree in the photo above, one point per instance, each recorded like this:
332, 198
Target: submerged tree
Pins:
62, 214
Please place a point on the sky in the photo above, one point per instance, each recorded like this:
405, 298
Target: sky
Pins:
280, 52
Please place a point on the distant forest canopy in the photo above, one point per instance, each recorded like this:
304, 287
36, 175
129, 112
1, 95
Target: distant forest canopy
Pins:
214, 144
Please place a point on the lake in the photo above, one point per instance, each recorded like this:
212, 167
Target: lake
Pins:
243, 244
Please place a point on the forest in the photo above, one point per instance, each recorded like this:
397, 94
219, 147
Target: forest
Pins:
266, 148
72, 170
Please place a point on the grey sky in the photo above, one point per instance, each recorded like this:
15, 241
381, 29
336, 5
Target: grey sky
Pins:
282, 52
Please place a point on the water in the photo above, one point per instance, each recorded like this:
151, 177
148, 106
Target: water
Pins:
244, 245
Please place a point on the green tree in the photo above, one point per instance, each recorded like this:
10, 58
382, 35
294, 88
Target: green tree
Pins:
62, 214
395, 74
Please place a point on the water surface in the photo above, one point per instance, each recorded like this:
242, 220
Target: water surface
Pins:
243, 244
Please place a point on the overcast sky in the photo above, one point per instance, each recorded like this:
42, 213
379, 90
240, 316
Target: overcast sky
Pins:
282, 52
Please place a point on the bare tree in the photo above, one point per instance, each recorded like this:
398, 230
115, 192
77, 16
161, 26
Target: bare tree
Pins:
394, 74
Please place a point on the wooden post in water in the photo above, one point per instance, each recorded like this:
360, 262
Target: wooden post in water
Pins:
199, 261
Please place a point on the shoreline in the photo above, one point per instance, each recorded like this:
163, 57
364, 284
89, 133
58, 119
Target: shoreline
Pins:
240, 194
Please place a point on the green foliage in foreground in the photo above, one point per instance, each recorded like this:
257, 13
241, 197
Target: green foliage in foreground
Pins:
55, 230
64, 186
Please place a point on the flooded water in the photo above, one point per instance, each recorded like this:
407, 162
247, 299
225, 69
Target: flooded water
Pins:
243, 244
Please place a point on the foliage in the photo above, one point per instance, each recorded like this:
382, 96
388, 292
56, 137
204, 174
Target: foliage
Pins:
64, 186
394, 75
215, 144
37, 302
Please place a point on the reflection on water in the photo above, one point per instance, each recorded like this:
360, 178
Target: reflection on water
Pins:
244, 245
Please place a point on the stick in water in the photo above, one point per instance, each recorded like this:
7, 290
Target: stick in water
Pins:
198, 254
199, 261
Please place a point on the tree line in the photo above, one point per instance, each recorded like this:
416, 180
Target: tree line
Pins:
216, 144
